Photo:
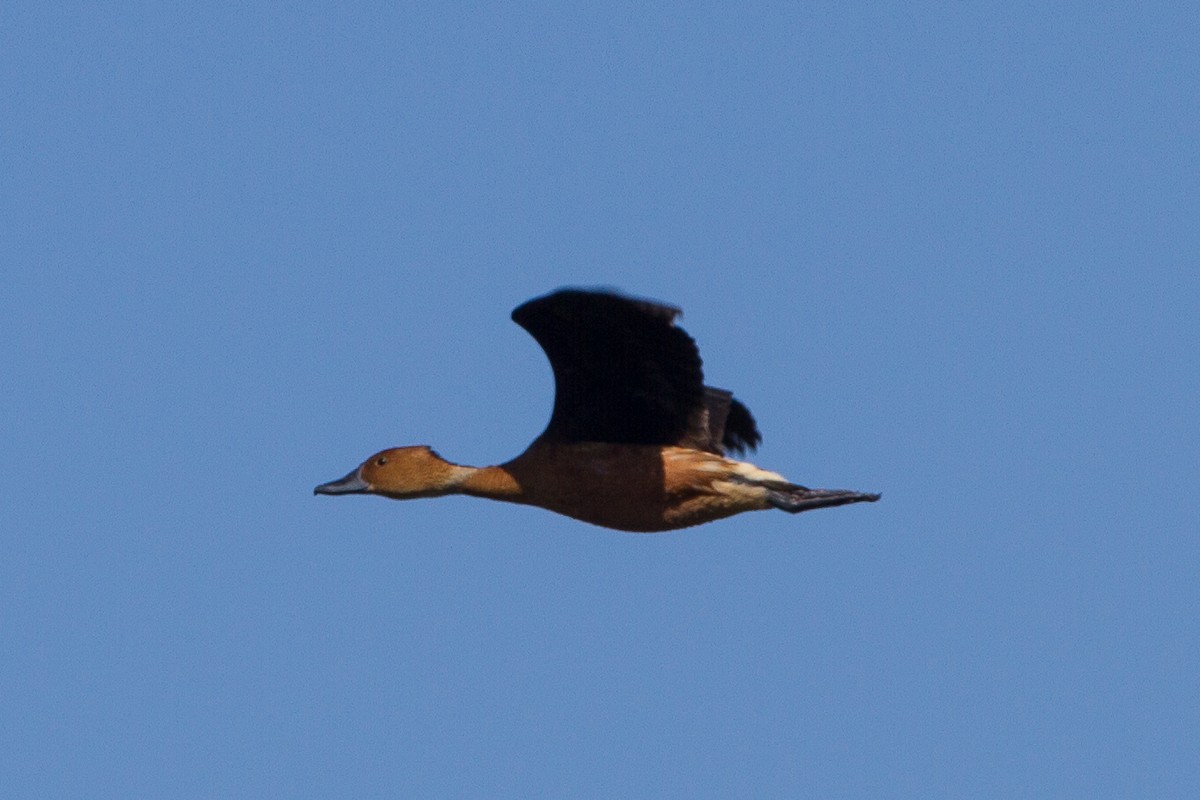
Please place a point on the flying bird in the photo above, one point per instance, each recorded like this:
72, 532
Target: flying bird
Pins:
635, 442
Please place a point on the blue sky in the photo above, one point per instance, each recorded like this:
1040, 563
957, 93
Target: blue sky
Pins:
943, 251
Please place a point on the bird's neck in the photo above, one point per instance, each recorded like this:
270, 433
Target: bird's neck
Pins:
495, 483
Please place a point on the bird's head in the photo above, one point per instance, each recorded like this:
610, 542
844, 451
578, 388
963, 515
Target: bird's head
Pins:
401, 473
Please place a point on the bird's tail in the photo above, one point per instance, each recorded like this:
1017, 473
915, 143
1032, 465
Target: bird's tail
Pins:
794, 499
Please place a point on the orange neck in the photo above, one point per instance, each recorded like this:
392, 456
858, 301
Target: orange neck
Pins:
495, 483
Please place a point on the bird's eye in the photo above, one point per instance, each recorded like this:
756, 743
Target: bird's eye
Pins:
381, 460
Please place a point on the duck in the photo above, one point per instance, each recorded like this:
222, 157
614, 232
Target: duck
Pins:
636, 441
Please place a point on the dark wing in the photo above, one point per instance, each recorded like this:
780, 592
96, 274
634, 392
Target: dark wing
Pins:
625, 373
730, 425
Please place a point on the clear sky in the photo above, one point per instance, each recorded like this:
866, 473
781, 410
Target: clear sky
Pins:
944, 251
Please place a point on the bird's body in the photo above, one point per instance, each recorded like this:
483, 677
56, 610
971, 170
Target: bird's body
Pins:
636, 442
642, 488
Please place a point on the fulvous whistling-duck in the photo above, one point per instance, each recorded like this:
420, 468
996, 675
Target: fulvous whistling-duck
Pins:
636, 441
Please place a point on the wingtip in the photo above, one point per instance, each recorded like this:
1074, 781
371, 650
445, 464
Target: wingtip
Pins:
569, 297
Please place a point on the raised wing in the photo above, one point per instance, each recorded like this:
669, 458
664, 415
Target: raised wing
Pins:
625, 373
